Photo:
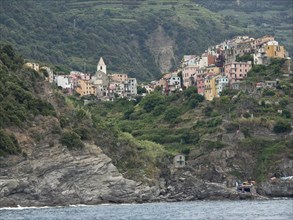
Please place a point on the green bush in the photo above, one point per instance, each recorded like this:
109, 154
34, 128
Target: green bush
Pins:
171, 114
71, 140
83, 132
128, 112
207, 111
189, 91
232, 127
8, 144
213, 144
160, 109
282, 126
286, 113
268, 92
149, 102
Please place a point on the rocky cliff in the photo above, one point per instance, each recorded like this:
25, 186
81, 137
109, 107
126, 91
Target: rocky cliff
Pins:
162, 48
57, 176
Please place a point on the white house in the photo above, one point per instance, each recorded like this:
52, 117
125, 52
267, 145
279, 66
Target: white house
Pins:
131, 87
64, 81
221, 83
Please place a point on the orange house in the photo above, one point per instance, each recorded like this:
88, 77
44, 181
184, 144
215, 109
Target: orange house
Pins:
86, 87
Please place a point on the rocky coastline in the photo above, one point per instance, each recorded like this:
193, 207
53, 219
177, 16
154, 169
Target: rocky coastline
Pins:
54, 176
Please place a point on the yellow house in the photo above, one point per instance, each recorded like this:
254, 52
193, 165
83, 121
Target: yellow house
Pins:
274, 50
34, 66
86, 87
213, 69
119, 77
210, 87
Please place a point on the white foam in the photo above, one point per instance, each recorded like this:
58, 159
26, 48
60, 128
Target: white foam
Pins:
24, 207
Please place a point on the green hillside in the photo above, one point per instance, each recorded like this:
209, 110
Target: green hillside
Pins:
141, 38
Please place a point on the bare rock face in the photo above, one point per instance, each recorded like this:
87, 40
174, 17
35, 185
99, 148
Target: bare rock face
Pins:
57, 176
162, 47
277, 188
184, 186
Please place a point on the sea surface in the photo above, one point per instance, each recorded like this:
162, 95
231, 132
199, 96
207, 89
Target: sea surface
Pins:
234, 210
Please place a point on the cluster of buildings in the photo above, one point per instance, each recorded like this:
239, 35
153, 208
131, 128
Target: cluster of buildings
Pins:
102, 85
224, 65
221, 66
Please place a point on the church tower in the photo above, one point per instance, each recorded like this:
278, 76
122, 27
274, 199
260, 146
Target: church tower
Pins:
102, 66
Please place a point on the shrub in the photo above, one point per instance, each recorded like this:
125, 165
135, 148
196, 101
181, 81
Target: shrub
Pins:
286, 113
71, 140
246, 115
128, 113
171, 115
214, 144
207, 111
151, 101
159, 110
232, 127
189, 91
83, 132
282, 126
268, 92
8, 144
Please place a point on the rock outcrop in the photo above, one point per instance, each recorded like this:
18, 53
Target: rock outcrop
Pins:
57, 176
162, 48
277, 188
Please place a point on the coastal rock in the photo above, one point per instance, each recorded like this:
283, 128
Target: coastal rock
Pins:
277, 188
57, 176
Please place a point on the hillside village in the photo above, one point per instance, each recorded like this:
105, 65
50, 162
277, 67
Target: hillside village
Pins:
224, 65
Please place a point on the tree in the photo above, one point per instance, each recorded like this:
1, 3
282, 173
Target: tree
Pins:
141, 90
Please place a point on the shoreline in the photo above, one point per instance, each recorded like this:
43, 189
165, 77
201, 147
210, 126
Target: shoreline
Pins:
262, 198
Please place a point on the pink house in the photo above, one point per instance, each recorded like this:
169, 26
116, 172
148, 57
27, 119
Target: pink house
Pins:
237, 71
188, 74
200, 82
75, 75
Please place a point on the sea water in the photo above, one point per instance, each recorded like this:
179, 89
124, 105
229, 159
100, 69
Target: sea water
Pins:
234, 210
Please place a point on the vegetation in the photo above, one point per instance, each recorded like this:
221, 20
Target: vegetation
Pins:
76, 33
8, 144
71, 140
282, 126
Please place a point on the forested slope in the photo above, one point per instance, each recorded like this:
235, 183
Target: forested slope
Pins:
141, 38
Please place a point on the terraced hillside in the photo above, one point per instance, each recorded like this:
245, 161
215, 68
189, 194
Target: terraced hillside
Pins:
140, 37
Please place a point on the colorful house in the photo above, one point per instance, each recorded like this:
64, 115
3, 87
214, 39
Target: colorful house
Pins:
200, 83
34, 66
85, 87
221, 83
210, 87
237, 71
274, 50
213, 69
119, 77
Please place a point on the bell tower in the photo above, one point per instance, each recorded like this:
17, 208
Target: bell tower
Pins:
102, 66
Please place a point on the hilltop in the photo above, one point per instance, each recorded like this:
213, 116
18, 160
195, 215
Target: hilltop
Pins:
140, 38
